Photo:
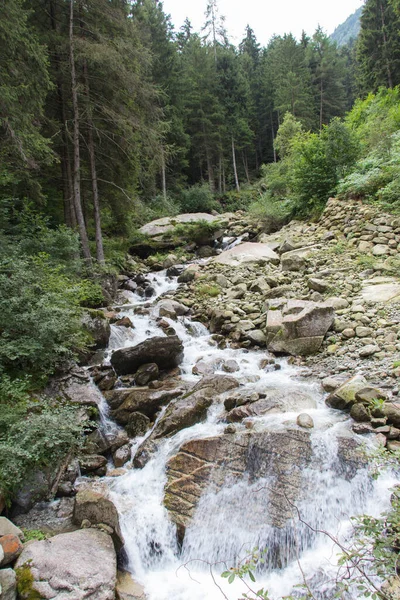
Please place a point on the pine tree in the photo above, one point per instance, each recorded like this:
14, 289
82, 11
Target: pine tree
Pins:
378, 47
24, 84
328, 72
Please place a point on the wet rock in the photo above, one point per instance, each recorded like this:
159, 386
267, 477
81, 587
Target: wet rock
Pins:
304, 420
12, 548
171, 309
127, 588
143, 400
185, 412
345, 396
166, 352
360, 413
362, 428
93, 464
330, 384
189, 274
137, 425
122, 455
98, 328
74, 565
125, 322
97, 508
215, 461
146, 373
230, 366
8, 584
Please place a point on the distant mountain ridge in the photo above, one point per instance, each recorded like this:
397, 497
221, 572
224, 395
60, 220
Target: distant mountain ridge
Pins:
347, 30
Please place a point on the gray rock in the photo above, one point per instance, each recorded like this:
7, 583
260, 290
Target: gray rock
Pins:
166, 352
247, 253
94, 505
122, 455
368, 350
171, 309
304, 420
74, 565
345, 396
318, 285
360, 413
8, 584
6, 527
167, 224
98, 327
146, 373
138, 424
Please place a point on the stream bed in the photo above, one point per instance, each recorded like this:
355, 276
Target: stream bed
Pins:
234, 517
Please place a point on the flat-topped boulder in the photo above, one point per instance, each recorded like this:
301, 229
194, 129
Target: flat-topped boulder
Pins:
247, 253
381, 289
167, 224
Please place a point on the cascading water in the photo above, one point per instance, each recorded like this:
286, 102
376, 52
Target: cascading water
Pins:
232, 520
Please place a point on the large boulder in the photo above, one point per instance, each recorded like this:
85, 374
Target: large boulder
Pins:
247, 253
185, 412
303, 328
98, 328
344, 396
7, 527
80, 565
96, 507
125, 402
12, 547
166, 352
164, 225
284, 458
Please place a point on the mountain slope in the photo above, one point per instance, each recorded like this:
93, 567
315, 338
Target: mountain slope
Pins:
347, 30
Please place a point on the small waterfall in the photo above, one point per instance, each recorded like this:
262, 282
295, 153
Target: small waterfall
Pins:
230, 520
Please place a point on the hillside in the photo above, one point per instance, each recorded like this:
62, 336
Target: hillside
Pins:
348, 30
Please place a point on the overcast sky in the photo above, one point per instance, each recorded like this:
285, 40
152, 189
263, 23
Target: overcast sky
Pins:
266, 17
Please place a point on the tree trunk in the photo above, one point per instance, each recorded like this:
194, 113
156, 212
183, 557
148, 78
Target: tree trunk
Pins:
93, 174
77, 160
321, 106
389, 71
246, 166
223, 179
234, 166
210, 171
69, 209
273, 136
163, 174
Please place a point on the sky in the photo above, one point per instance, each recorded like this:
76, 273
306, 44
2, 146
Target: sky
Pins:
266, 17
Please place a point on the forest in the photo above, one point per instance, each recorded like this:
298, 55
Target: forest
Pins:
109, 117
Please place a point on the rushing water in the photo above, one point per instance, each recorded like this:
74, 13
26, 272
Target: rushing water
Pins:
231, 521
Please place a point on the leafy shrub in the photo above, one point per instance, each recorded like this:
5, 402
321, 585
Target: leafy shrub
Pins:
233, 201
34, 433
39, 315
200, 232
197, 198
211, 291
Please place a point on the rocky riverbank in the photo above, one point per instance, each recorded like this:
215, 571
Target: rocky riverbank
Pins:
326, 295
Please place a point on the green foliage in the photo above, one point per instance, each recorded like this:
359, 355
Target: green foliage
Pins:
35, 433
39, 314
25, 581
234, 200
34, 534
197, 198
208, 290
287, 132
202, 232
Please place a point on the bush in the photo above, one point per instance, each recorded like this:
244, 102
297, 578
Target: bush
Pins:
34, 433
233, 201
197, 198
39, 315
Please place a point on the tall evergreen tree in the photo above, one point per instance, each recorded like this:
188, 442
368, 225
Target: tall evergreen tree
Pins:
378, 47
24, 84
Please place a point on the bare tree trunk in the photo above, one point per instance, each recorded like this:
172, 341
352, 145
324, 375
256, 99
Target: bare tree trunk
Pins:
93, 174
69, 209
234, 166
273, 136
246, 166
220, 175
77, 160
389, 71
163, 174
210, 171
223, 179
321, 106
